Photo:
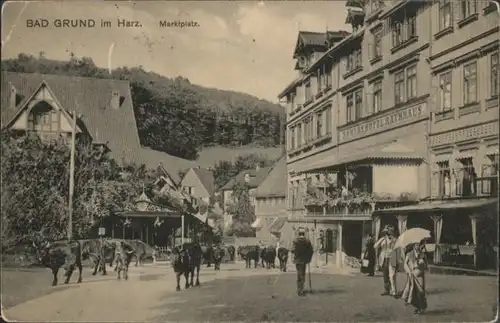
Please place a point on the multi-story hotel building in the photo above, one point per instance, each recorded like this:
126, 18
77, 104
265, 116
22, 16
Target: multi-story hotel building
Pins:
403, 109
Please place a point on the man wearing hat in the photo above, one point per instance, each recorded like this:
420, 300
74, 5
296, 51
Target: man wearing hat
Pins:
303, 251
386, 245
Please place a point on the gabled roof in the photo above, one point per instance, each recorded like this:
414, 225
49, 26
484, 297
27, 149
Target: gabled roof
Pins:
91, 97
170, 164
309, 39
206, 178
275, 183
256, 178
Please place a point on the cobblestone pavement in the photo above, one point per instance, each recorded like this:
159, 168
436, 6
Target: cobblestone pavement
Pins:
239, 294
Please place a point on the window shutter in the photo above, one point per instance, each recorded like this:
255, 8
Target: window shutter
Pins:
435, 185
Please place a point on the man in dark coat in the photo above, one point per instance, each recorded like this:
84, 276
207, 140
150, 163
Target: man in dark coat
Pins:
370, 254
386, 246
303, 251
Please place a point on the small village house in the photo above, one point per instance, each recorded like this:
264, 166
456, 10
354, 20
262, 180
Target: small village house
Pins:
251, 177
270, 206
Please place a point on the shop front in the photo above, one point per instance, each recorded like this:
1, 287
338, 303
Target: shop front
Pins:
463, 231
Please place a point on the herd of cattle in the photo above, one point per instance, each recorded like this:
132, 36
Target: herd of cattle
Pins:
185, 259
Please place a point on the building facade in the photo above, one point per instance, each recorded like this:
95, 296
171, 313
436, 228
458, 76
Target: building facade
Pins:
270, 206
376, 116
250, 177
199, 183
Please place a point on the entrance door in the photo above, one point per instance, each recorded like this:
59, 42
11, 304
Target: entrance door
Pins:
352, 238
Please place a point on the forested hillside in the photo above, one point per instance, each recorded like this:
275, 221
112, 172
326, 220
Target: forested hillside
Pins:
173, 115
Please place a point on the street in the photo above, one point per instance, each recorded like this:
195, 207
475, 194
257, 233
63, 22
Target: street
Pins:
239, 294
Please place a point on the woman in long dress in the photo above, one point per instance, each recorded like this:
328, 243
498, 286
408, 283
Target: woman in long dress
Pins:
415, 266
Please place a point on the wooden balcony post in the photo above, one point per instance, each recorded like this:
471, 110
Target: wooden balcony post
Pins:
473, 219
338, 252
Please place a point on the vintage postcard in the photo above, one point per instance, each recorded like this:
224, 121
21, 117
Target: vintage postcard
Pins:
255, 161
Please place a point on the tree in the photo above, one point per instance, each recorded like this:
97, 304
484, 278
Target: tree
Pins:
35, 188
242, 211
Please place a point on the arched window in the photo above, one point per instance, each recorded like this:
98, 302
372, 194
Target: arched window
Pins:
43, 117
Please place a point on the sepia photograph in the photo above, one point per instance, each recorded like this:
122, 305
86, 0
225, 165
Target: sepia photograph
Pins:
250, 161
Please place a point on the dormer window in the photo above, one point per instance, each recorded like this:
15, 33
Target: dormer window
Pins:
353, 60
115, 100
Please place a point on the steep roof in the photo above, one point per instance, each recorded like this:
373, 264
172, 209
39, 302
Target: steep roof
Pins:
173, 165
91, 97
275, 183
256, 178
317, 39
207, 179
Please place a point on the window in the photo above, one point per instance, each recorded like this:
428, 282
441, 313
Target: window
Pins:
299, 135
292, 139
377, 97
399, 87
465, 178
308, 91
489, 174
444, 179
307, 129
405, 80
292, 101
328, 121
320, 80
350, 108
43, 118
319, 125
444, 14
445, 91
358, 102
494, 74
328, 76
470, 83
403, 31
353, 60
468, 8
411, 82
377, 43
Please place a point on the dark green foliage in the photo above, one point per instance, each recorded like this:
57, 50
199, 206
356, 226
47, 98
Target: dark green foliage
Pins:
173, 115
242, 211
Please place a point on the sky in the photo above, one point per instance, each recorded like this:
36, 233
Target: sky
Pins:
244, 46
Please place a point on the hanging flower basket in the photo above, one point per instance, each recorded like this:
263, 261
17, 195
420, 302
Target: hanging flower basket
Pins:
127, 223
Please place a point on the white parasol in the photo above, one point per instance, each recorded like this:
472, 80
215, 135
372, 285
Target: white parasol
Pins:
410, 236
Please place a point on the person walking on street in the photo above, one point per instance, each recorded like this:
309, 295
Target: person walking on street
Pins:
386, 245
370, 254
303, 251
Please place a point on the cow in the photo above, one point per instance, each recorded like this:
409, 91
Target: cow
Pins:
249, 253
208, 254
124, 251
99, 252
231, 251
57, 254
141, 251
268, 257
185, 260
218, 255
283, 258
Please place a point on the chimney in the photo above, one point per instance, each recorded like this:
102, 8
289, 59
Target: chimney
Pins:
257, 168
115, 100
12, 96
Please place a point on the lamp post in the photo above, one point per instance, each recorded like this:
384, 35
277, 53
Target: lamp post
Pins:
72, 175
